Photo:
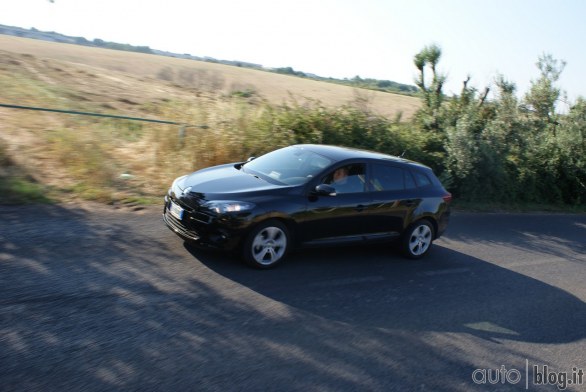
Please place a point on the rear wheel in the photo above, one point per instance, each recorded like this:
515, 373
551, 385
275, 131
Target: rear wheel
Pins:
417, 239
266, 245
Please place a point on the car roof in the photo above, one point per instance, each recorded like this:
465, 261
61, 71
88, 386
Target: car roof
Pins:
338, 153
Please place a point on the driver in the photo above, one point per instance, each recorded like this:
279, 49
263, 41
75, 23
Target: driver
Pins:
340, 176
343, 182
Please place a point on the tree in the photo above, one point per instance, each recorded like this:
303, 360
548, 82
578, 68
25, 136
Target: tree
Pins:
430, 56
503, 149
568, 155
432, 92
544, 94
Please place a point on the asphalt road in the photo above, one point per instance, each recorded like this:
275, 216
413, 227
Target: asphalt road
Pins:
98, 299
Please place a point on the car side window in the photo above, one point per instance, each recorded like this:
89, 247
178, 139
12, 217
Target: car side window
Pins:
347, 179
409, 181
421, 179
387, 178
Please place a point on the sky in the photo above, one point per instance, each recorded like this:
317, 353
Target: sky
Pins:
339, 38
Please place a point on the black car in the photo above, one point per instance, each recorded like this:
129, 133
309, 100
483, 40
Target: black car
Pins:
309, 195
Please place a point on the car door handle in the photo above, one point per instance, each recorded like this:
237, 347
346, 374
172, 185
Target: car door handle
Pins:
359, 208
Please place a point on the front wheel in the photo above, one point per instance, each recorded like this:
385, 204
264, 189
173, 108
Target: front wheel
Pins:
417, 239
266, 245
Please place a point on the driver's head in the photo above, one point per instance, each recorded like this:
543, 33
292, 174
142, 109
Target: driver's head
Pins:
340, 174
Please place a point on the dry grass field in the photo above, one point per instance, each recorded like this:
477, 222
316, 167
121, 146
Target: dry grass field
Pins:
110, 160
186, 74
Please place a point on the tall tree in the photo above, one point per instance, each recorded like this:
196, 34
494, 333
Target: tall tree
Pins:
544, 94
432, 92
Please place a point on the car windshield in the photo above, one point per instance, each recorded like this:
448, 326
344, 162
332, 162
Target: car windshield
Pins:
290, 165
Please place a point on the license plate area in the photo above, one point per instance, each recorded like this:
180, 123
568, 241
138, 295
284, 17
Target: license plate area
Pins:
176, 211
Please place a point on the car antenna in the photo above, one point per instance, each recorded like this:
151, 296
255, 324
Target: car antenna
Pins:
402, 154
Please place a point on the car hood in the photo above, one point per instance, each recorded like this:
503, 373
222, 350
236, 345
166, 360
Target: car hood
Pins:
225, 179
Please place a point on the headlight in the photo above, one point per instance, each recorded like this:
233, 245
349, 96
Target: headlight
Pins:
223, 206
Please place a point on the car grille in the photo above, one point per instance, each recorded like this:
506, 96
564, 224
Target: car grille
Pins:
194, 222
176, 225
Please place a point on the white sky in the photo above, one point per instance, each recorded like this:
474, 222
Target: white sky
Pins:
338, 38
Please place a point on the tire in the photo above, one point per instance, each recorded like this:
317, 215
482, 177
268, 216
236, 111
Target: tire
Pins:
417, 239
266, 245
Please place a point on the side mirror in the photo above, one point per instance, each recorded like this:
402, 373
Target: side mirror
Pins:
250, 159
325, 190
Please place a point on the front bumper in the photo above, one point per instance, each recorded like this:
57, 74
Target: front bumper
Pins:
202, 228
179, 229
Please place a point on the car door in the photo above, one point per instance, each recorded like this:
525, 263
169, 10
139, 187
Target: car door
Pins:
339, 218
392, 199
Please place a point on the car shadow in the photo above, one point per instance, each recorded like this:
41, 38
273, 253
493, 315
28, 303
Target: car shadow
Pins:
448, 291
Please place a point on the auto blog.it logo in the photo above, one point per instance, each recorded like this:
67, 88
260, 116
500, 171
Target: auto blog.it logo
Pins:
541, 375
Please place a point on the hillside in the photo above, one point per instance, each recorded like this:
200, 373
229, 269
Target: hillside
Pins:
184, 75
109, 159
357, 82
